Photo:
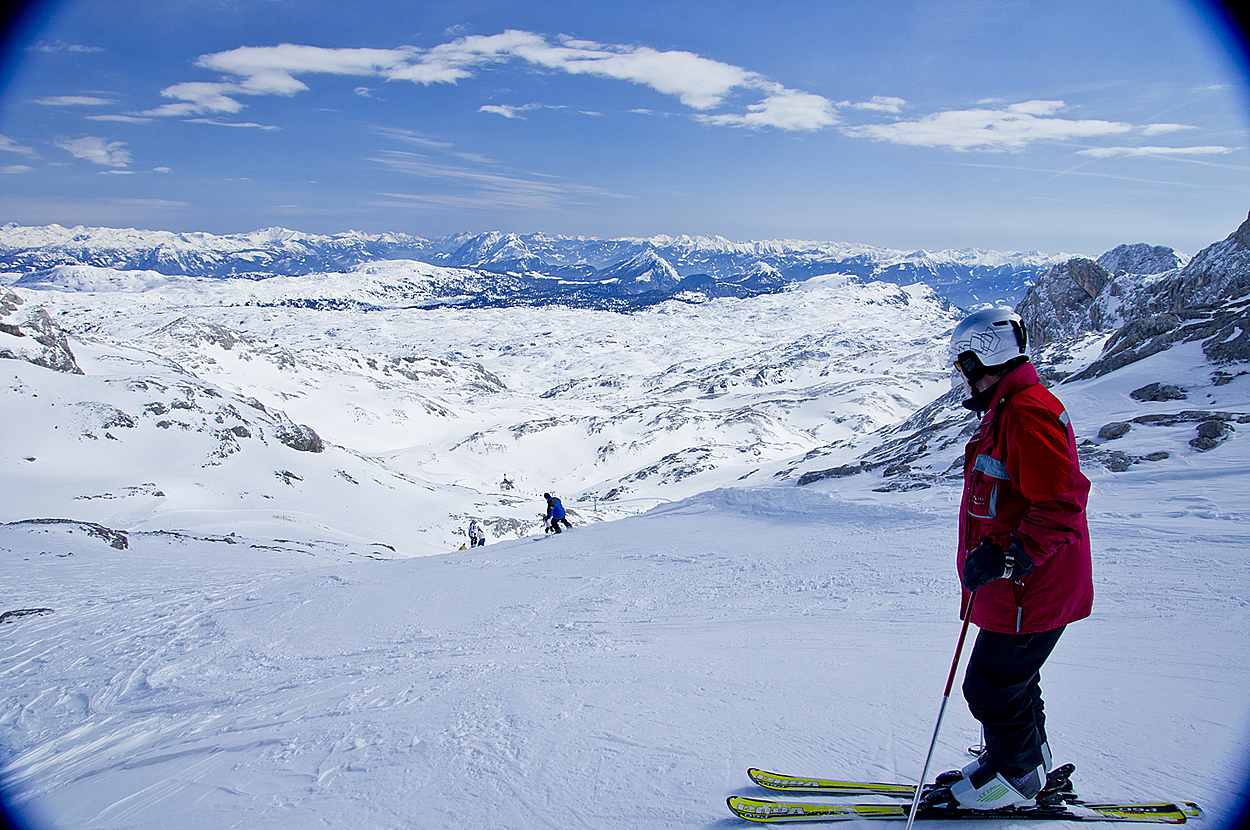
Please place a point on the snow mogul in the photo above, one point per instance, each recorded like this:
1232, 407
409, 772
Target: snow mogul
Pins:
1024, 553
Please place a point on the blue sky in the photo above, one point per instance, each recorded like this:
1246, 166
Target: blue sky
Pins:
1056, 125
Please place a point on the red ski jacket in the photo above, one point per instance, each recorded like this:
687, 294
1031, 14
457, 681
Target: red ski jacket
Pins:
1022, 479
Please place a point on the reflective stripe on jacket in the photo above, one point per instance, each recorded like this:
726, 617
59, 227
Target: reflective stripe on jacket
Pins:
1022, 479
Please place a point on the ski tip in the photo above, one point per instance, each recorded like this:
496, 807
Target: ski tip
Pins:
1190, 809
751, 810
769, 780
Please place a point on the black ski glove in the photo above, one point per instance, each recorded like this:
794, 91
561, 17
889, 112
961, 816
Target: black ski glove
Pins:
990, 562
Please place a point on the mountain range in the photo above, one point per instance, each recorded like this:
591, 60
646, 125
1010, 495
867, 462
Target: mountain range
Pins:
532, 269
328, 396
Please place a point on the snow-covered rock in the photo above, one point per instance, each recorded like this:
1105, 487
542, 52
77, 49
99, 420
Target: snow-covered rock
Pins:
33, 336
1141, 258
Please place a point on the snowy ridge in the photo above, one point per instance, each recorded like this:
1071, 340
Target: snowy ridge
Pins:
527, 264
269, 251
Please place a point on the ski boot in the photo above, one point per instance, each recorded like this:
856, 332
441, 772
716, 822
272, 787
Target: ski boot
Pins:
987, 789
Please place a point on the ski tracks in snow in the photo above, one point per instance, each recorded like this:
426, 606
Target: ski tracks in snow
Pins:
620, 674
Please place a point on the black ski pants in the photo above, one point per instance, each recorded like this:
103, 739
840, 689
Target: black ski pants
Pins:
1003, 688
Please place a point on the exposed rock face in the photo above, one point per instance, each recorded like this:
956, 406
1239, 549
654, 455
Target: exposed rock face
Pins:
1211, 434
1207, 300
1217, 274
299, 437
36, 339
1140, 259
1064, 302
1158, 392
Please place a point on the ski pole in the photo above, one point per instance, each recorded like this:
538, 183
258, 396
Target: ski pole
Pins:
946, 696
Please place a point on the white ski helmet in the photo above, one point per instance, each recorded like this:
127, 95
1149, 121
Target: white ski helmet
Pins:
988, 339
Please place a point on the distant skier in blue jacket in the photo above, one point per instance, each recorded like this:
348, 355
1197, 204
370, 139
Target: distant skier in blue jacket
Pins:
555, 513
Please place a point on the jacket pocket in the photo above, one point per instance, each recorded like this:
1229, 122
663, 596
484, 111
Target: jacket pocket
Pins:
987, 472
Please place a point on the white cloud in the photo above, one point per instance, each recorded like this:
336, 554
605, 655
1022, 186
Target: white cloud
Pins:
502, 109
508, 111
271, 70
699, 83
96, 150
59, 46
17, 168
882, 103
217, 123
1009, 128
74, 101
1161, 129
123, 119
199, 98
1111, 152
1038, 108
9, 145
786, 109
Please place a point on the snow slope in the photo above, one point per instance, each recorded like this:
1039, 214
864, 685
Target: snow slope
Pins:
424, 412
620, 675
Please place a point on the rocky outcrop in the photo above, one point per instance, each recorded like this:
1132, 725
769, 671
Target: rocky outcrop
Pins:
35, 339
1206, 300
1065, 302
298, 437
1141, 259
1217, 274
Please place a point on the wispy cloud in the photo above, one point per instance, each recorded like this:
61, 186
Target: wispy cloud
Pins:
1110, 152
1163, 129
60, 46
96, 150
217, 123
74, 101
485, 188
1003, 129
16, 168
9, 145
436, 144
151, 203
123, 119
509, 111
198, 99
881, 103
697, 82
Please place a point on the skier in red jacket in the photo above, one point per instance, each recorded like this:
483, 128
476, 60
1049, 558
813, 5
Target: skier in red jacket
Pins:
1024, 553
